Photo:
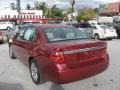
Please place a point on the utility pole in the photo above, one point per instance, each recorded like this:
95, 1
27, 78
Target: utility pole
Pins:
18, 9
72, 4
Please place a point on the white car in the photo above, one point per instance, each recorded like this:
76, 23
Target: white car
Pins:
103, 32
11, 32
6, 25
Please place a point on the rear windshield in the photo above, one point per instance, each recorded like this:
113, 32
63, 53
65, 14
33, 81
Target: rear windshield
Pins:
63, 34
106, 27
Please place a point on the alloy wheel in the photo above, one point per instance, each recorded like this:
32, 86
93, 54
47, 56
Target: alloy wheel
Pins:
96, 37
34, 72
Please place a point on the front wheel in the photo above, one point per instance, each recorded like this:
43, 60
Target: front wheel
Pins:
97, 37
8, 28
36, 73
12, 56
109, 39
1, 40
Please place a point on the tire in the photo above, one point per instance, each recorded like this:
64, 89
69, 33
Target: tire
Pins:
97, 37
36, 75
109, 39
8, 28
7, 38
1, 40
12, 56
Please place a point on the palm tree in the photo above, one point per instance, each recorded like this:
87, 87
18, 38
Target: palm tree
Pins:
12, 5
28, 7
40, 6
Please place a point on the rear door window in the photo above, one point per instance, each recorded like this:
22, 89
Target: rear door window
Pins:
19, 35
30, 34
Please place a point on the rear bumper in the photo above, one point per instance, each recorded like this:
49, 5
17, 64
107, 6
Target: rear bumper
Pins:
109, 37
71, 75
114, 37
106, 36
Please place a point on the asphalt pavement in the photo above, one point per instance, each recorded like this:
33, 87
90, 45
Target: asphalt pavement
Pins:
14, 75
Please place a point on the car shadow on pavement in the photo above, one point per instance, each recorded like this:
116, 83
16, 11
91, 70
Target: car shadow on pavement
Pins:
56, 87
1, 42
10, 86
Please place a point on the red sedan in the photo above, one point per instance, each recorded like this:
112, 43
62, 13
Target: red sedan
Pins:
58, 53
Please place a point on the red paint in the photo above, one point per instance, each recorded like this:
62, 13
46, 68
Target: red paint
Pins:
57, 66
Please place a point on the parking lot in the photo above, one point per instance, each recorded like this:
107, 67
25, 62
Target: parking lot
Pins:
14, 75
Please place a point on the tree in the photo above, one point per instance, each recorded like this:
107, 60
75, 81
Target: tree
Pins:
55, 12
28, 7
85, 14
69, 11
58, 13
48, 12
40, 6
96, 10
12, 6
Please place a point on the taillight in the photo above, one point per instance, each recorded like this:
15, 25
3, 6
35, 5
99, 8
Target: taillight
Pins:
57, 56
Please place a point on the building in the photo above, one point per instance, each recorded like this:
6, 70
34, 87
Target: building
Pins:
8, 14
114, 8
111, 9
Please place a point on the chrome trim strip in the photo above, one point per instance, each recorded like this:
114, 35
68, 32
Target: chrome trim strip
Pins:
84, 50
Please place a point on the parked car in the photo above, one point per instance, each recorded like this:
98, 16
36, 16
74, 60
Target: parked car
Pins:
117, 28
58, 53
11, 32
103, 32
93, 21
3, 37
6, 25
85, 28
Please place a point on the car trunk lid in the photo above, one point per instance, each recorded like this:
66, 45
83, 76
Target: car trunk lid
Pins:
80, 53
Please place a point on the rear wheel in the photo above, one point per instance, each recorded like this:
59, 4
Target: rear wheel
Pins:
12, 56
1, 40
5, 39
109, 39
97, 37
36, 75
8, 28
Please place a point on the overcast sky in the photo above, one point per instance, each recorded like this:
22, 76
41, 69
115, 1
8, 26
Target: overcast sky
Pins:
59, 3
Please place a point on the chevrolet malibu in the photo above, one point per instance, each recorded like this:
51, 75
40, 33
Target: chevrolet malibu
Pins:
58, 53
